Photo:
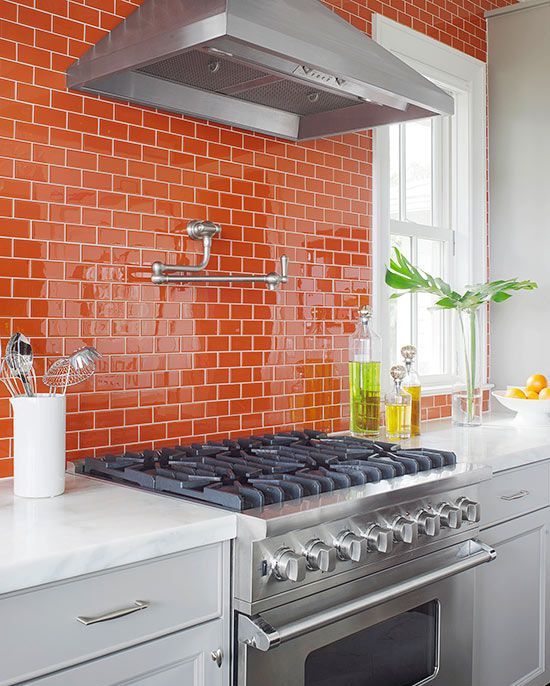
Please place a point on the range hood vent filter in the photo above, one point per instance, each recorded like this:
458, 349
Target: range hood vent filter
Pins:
221, 75
202, 70
298, 98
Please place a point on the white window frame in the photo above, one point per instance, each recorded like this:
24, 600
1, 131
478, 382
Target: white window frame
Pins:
465, 76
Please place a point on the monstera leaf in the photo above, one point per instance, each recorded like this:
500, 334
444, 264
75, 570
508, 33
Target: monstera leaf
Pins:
403, 276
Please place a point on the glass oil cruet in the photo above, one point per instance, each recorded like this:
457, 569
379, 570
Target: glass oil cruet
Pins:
365, 355
411, 384
398, 406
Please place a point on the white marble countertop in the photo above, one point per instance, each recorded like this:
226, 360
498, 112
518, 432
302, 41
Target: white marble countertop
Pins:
95, 526
497, 443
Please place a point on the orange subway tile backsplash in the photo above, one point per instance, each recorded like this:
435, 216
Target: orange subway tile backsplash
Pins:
93, 191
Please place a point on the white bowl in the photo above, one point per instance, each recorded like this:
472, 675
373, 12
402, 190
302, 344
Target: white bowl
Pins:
529, 412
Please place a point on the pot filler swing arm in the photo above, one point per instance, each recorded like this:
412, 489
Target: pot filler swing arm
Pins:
205, 231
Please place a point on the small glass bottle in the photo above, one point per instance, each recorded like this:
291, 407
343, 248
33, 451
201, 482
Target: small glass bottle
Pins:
411, 384
365, 354
398, 406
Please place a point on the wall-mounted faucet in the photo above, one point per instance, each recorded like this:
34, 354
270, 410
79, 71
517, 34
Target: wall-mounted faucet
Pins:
205, 231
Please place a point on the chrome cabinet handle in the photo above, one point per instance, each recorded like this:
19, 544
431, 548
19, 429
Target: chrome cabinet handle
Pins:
515, 496
115, 614
258, 633
217, 656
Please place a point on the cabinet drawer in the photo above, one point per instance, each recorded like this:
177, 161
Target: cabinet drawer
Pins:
182, 659
515, 493
40, 633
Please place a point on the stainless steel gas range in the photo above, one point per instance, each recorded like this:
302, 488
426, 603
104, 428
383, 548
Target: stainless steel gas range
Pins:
353, 560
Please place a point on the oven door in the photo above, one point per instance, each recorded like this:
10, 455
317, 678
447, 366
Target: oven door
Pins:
406, 626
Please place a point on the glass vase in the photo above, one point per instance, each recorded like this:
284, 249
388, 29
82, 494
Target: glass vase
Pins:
467, 397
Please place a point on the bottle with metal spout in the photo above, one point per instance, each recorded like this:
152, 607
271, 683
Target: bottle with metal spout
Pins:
365, 355
411, 384
398, 406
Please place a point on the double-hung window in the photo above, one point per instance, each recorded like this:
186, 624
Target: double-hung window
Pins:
420, 156
429, 178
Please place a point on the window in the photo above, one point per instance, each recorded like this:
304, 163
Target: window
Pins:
429, 198
420, 226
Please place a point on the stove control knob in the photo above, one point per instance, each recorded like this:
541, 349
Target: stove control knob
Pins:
350, 546
379, 539
288, 565
429, 523
320, 556
471, 511
451, 517
404, 530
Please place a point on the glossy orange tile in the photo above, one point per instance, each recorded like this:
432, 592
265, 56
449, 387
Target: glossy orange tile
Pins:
92, 191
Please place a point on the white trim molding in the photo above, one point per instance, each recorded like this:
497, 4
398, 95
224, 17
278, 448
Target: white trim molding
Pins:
465, 77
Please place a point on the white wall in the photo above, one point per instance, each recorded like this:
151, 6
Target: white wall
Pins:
519, 189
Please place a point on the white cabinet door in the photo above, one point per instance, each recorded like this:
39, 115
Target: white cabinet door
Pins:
511, 609
182, 659
201, 597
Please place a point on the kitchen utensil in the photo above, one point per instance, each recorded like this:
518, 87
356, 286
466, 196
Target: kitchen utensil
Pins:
84, 357
62, 374
71, 370
5, 376
19, 359
528, 412
8, 380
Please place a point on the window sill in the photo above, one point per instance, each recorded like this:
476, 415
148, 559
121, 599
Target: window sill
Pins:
447, 389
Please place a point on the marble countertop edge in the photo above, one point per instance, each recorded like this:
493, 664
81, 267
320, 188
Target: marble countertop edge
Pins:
96, 526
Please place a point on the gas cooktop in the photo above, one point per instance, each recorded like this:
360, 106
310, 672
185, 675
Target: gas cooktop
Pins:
263, 470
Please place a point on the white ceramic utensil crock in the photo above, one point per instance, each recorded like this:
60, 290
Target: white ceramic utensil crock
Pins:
39, 445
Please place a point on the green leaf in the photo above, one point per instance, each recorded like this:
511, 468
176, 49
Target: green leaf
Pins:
405, 277
500, 297
446, 303
443, 286
398, 281
394, 266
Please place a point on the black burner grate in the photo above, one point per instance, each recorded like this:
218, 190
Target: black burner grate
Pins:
263, 470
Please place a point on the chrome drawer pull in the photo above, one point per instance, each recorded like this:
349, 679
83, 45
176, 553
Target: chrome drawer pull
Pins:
115, 614
515, 496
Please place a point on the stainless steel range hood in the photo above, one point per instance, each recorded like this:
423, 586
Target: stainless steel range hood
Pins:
290, 68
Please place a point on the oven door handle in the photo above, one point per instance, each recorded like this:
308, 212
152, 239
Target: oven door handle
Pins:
257, 632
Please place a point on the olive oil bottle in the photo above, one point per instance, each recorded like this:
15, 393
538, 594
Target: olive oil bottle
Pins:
365, 354
398, 406
411, 383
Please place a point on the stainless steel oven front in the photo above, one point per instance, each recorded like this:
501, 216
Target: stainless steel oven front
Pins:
408, 625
